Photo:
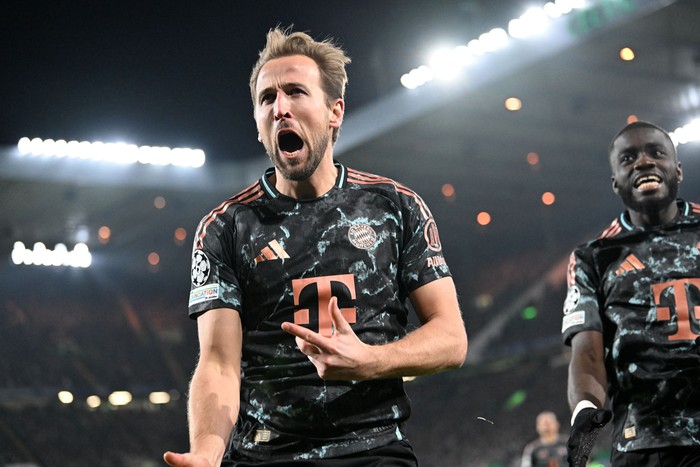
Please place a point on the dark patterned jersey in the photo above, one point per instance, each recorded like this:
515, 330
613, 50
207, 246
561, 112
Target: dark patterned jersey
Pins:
369, 242
539, 454
640, 287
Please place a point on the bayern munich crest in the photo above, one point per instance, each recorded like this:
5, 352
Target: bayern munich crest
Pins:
200, 268
362, 236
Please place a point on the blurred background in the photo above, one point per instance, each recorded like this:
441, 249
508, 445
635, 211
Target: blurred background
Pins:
123, 123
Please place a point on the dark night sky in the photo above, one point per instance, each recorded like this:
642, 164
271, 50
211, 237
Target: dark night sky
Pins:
175, 73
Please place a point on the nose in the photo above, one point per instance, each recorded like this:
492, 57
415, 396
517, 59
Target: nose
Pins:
645, 161
281, 107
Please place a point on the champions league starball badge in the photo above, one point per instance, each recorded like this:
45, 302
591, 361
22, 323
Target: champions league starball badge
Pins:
200, 268
572, 298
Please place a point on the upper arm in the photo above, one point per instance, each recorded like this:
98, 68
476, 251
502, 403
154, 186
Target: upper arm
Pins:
437, 299
220, 338
436, 305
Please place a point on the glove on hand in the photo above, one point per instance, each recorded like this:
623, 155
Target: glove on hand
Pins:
584, 432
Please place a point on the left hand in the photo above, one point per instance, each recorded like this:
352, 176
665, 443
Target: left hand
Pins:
342, 356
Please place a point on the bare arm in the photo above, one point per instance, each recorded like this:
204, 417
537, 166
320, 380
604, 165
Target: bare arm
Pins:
587, 376
214, 390
439, 344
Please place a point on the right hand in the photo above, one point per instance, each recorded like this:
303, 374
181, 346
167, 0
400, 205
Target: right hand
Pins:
185, 460
584, 432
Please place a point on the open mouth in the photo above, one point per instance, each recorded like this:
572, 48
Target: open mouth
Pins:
647, 182
289, 142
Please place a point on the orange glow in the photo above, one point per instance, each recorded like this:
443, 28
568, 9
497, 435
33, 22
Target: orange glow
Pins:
533, 158
483, 218
159, 202
104, 233
180, 235
448, 190
153, 258
632, 118
627, 54
513, 104
548, 198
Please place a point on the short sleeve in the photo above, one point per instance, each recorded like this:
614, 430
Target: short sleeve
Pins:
582, 305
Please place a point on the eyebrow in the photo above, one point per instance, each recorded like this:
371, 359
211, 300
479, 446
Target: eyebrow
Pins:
283, 86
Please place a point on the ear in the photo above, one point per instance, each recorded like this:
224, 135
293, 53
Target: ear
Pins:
259, 138
614, 185
337, 113
679, 171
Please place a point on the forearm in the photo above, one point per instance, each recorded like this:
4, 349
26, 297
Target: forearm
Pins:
587, 376
437, 345
212, 411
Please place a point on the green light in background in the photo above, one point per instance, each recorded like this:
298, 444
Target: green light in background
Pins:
529, 313
515, 399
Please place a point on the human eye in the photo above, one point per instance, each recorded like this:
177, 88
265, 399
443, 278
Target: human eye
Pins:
266, 98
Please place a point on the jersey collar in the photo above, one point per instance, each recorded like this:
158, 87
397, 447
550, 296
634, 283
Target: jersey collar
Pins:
271, 191
683, 210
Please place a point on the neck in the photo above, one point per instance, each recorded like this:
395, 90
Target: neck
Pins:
659, 217
318, 184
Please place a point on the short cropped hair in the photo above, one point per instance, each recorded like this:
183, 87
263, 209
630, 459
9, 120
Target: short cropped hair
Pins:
640, 124
329, 57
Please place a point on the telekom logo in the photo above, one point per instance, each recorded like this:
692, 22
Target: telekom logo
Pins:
680, 299
323, 288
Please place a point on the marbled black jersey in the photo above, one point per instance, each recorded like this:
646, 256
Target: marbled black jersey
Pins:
369, 242
640, 287
538, 454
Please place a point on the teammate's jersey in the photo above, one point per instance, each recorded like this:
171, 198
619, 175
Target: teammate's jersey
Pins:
538, 454
369, 242
640, 287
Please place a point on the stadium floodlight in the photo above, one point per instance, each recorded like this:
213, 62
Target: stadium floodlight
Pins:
688, 133
118, 153
533, 21
39, 255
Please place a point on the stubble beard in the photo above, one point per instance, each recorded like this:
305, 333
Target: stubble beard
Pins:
651, 206
299, 170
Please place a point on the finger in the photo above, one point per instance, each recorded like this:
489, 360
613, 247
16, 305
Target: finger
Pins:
339, 322
172, 458
306, 348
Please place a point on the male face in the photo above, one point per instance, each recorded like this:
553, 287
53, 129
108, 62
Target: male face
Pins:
546, 424
293, 116
645, 170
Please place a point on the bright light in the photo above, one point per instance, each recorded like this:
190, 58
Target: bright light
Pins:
117, 153
533, 21
93, 401
444, 64
627, 54
159, 397
548, 198
493, 40
66, 397
39, 255
513, 104
448, 190
687, 133
483, 218
417, 77
120, 398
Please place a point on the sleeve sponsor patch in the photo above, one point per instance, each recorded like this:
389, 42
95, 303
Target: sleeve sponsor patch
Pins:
204, 294
573, 319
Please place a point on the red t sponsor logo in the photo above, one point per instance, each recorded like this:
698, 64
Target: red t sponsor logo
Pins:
681, 305
344, 287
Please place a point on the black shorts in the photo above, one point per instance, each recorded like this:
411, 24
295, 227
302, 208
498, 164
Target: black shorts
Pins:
681, 456
398, 454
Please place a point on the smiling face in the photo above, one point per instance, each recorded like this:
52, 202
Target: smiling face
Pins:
645, 172
295, 121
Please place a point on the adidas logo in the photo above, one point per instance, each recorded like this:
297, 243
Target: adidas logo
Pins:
631, 263
272, 251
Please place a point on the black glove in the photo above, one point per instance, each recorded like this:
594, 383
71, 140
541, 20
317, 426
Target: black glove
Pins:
584, 432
